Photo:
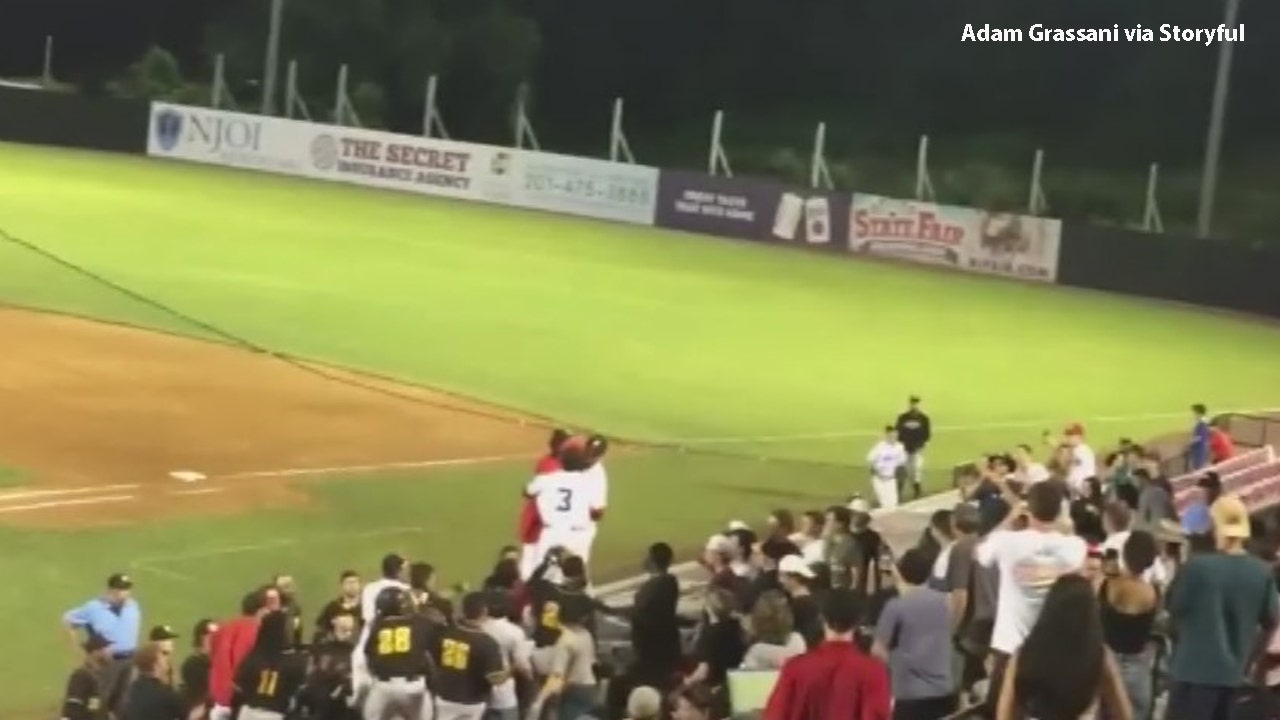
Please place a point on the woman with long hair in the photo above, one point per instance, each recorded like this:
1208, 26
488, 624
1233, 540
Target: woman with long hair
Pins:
772, 630
1128, 604
1064, 670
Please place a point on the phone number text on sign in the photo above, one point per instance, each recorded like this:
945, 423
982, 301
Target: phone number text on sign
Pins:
595, 188
609, 190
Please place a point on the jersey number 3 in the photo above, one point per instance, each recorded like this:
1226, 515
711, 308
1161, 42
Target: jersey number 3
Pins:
394, 641
454, 654
566, 500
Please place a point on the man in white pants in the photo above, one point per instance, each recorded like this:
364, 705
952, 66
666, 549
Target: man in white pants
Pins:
564, 500
393, 572
596, 482
887, 459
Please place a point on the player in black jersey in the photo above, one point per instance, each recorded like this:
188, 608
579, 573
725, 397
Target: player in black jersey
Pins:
268, 680
397, 658
550, 598
468, 663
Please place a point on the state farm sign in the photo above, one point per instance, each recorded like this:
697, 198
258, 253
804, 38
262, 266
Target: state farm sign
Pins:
919, 231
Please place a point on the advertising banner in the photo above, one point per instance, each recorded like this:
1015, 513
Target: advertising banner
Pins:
586, 187
355, 155
910, 230
992, 243
748, 209
1017, 246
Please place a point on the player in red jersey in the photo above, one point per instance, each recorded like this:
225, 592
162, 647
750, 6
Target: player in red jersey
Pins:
529, 530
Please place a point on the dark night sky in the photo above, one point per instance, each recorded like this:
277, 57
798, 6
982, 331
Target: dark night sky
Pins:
88, 32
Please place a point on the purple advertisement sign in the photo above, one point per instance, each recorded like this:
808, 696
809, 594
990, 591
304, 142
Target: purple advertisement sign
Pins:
751, 209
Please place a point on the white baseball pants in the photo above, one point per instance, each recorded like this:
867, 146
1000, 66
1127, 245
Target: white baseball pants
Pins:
886, 491
250, 713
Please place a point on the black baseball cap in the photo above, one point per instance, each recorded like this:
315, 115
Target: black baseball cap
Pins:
162, 632
120, 581
914, 399
95, 642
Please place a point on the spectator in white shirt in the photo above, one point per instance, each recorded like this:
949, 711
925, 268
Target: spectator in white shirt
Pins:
1117, 521
1084, 463
1029, 562
1028, 472
887, 459
516, 651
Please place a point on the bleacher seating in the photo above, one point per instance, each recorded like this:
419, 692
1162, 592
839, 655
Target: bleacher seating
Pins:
1240, 462
1237, 482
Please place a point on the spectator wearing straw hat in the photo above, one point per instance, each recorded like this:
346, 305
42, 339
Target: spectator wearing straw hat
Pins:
1222, 606
644, 703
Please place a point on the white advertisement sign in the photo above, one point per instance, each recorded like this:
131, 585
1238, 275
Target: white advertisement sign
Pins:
965, 238
542, 181
329, 152
584, 186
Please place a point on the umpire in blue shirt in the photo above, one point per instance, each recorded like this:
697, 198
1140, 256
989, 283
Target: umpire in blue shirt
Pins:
116, 618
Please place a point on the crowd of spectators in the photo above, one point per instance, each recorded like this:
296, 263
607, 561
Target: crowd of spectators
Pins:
1062, 590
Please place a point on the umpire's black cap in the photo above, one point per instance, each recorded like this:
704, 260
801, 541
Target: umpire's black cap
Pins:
120, 581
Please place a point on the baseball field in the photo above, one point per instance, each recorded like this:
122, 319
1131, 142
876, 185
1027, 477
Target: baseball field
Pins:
354, 371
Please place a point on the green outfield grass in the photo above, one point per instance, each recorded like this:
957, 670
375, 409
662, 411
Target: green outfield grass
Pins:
641, 333
10, 477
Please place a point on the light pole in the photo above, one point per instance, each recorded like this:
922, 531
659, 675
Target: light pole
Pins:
270, 68
1217, 118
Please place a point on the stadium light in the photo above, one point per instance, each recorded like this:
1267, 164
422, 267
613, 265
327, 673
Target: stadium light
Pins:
1217, 118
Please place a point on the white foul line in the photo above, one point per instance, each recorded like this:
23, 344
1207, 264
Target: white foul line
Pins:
970, 427
66, 503
153, 562
197, 491
58, 492
344, 469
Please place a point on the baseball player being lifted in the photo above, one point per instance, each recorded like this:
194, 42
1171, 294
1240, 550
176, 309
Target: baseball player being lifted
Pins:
530, 526
564, 500
397, 657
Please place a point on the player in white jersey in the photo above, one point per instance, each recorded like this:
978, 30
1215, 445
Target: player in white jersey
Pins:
596, 481
887, 459
564, 500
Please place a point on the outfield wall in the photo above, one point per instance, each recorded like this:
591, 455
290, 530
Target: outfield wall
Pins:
1219, 274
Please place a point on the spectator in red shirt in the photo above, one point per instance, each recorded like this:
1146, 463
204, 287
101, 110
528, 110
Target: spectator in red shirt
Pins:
835, 679
228, 646
529, 528
1221, 447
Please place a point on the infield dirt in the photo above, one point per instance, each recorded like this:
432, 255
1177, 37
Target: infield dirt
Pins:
98, 415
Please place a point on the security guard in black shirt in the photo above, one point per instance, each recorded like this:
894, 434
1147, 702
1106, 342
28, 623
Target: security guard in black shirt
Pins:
269, 679
468, 663
83, 699
397, 657
914, 432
